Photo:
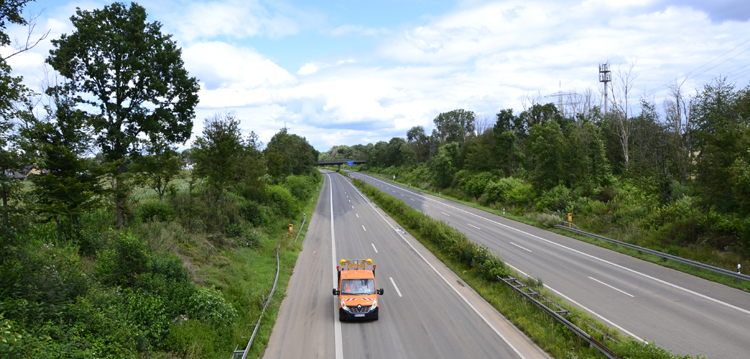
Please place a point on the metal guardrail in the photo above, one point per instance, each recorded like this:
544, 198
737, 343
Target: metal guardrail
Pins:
301, 227
698, 265
575, 329
243, 353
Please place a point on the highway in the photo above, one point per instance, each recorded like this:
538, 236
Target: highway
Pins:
681, 312
425, 312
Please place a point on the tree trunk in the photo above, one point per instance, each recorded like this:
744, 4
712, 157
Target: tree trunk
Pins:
119, 198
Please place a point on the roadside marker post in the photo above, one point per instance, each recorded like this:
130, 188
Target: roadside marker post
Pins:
291, 228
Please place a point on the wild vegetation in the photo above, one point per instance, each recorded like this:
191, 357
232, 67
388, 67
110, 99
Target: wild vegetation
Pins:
676, 180
116, 244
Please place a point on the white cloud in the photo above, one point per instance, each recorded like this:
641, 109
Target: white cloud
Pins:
358, 30
308, 68
235, 19
222, 66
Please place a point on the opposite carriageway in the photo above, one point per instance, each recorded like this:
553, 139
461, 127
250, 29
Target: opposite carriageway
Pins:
683, 313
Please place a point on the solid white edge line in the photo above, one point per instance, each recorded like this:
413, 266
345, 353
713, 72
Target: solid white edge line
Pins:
528, 250
621, 291
395, 286
337, 339
474, 226
582, 306
450, 285
373, 247
589, 255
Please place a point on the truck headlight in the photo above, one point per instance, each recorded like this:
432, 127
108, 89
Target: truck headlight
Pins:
374, 304
343, 305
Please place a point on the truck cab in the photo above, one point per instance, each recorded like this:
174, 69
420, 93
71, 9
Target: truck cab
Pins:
358, 298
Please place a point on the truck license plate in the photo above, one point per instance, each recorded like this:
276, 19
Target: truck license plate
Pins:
359, 315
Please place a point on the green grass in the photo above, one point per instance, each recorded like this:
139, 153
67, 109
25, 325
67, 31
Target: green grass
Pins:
696, 254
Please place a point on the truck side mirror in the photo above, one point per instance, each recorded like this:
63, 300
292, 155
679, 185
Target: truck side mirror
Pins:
335, 291
380, 291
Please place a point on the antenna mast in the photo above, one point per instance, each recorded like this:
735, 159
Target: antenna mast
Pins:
605, 76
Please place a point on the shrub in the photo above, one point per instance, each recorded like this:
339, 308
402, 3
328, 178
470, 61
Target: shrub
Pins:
254, 213
548, 219
301, 187
119, 265
475, 185
155, 211
283, 200
556, 199
209, 304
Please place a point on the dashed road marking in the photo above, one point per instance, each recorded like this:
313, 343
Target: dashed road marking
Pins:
528, 250
373, 247
394, 286
474, 226
619, 290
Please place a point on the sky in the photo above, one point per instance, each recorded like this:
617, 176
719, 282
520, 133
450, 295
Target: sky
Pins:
346, 72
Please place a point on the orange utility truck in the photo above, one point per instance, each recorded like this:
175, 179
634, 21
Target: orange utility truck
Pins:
358, 298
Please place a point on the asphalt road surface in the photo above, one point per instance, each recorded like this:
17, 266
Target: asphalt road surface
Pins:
681, 312
425, 312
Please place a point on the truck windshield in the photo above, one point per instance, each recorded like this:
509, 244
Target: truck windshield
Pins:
357, 286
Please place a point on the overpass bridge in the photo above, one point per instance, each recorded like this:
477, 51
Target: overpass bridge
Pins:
341, 162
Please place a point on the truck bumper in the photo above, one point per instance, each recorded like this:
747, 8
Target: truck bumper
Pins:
347, 316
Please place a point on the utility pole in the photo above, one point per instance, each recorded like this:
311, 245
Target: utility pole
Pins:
605, 76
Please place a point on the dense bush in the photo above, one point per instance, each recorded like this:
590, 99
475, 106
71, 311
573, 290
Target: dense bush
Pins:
475, 185
155, 211
301, 187
209, 304
556, 199
283, 200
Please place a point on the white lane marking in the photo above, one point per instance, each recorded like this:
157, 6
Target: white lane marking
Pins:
350, 200
427, 206
528, 250
373, 247
474, 226
401, 195
446, 214
352, 207
394, 286
337, 342
580, 305
363, 227
450, 285
357, 215
411, 198
621, 291
675, 286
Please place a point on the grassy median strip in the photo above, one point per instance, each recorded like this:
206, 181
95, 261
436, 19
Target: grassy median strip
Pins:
478, 267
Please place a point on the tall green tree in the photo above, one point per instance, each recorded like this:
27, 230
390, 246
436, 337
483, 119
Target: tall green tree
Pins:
289, 154
131, 78
69, 182
218, 153
546, 146
442, 168
13, 104
455, 126
717, 136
